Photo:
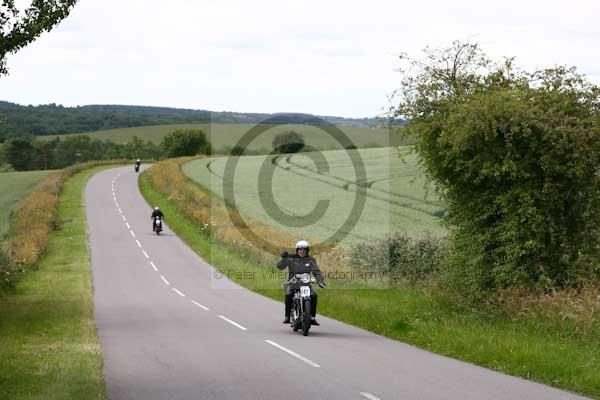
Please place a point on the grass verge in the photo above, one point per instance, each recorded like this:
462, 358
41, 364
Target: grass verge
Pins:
31, 223
542, 350
49, 347
14, 186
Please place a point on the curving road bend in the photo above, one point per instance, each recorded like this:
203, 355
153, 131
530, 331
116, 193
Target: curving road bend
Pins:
169, 332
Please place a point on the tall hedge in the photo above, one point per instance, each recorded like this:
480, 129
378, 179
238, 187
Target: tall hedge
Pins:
517, 156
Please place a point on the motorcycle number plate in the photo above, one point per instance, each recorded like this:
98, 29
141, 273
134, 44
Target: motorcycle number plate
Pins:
305, 291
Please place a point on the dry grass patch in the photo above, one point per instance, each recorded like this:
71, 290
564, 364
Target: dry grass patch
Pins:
32, 221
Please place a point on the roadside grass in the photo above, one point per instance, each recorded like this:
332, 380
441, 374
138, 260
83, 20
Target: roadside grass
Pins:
31, 222
221, 135
49, 347
549, 351
14, 185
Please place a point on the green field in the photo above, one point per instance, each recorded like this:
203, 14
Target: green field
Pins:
228, 134
396, 194
13, 186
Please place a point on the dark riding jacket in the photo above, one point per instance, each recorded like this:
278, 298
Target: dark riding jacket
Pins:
158, 213
299, 265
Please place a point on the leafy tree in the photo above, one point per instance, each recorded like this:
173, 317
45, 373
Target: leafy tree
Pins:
44, 154
19, 152
288, 142
137, 148
18, 29
185, 142
516, 156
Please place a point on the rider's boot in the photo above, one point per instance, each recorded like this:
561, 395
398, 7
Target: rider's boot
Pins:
288, 308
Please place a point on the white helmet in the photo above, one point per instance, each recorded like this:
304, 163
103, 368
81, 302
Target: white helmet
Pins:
303, 244
156, 208
138, 160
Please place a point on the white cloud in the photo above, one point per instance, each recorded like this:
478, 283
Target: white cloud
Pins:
334, 57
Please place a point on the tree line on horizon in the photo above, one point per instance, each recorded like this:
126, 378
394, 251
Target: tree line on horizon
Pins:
28, 153
53, 119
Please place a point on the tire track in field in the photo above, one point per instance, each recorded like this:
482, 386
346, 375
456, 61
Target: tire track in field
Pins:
345, 187
385, 200
367, 184
289, 211
347, 183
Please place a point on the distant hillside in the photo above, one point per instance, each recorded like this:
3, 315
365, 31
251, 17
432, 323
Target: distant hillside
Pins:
53, 119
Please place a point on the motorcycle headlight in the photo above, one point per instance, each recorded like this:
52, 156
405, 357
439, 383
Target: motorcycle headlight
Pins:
305, 278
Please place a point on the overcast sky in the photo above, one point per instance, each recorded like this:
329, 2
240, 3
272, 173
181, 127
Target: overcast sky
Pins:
326, 57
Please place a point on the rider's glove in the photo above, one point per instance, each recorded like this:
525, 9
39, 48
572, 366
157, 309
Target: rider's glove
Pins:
322, 284
284, 254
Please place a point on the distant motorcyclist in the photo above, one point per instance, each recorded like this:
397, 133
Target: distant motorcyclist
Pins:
137, 165
155, 214
300, 263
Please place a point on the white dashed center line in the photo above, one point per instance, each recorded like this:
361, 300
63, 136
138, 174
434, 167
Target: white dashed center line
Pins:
200, 305
290, 352
369, 396
232, 323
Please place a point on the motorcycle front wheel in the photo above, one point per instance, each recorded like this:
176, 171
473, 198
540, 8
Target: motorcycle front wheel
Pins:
295, 317
306, 318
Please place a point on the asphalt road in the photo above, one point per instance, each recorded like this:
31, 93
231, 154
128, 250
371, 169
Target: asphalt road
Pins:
169, 330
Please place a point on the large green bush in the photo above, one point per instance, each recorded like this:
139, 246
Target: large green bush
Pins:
288, 142
185, 142
517, 156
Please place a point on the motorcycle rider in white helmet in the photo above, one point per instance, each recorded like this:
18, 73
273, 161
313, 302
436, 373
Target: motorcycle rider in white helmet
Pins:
300, 263
156, 213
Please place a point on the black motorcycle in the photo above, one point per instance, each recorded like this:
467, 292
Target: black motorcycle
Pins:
137, 167
300, 286
158, 225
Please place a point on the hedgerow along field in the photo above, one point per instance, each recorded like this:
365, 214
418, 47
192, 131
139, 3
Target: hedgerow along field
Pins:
221, 135
14, 186
397, 196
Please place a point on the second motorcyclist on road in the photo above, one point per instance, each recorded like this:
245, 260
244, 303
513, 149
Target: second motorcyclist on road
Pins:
156, 213
300, 263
